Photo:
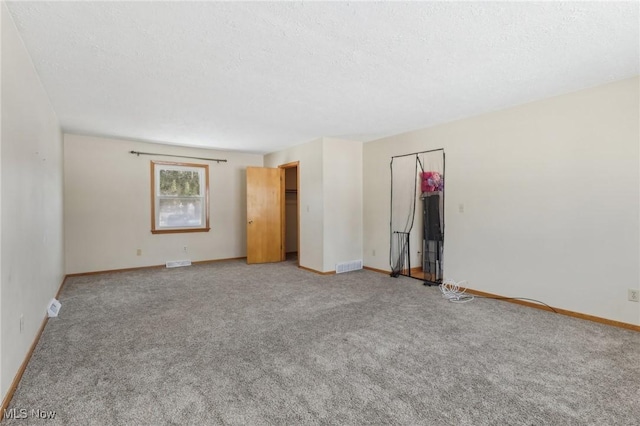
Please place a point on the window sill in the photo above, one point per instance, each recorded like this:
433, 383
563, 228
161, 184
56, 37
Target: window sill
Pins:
178, 231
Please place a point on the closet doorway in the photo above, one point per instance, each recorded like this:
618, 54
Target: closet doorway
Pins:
291, 212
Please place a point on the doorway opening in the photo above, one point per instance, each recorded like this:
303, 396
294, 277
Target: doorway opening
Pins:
291, 212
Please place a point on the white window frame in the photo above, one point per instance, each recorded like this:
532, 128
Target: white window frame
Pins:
203, 171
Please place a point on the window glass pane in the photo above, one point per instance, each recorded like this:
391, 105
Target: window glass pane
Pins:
179, 183
179, 197
180, 212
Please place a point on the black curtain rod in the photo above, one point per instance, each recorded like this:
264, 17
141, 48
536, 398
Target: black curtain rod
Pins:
138, 153
416, 153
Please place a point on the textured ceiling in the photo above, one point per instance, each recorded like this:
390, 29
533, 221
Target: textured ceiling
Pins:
262, 76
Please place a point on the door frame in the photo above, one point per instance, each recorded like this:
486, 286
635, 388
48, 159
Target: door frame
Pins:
283, 214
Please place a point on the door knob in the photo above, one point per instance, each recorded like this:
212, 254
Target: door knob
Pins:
250, 221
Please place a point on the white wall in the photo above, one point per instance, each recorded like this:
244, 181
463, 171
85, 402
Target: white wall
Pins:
342, 187
551, 199
108, 206
309, 155
330, 200
31, 203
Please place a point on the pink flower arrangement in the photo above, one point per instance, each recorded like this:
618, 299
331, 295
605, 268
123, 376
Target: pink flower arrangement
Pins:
432, 181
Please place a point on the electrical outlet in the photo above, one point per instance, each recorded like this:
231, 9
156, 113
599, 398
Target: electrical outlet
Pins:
21, 324
184, 249
634, 295
373, 252
139, 252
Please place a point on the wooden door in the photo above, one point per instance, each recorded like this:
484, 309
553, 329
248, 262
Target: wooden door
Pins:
264, 215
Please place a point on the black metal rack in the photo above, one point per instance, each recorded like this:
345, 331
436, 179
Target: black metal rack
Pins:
433, 237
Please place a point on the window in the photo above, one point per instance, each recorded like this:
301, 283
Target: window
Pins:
179, 197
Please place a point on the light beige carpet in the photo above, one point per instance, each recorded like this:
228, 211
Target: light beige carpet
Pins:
228, 343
